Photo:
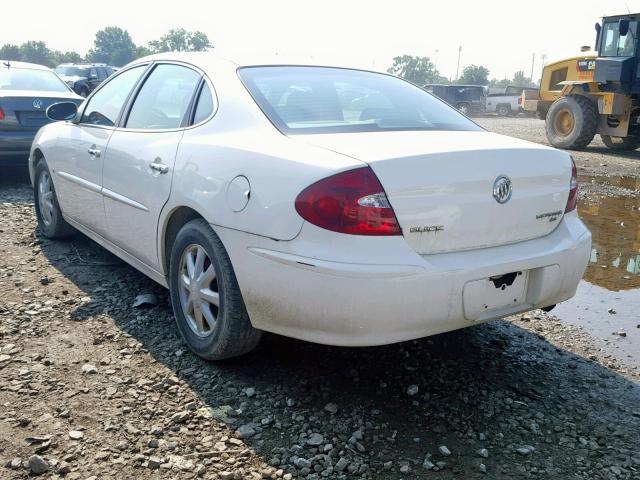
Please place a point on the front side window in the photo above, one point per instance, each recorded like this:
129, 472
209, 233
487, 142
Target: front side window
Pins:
13, 78
164, 98
105, 105
334, 100
616, 45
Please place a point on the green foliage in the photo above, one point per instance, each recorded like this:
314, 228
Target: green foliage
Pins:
474, 75
10, 52
181, 40
113, 46
67, 57
518, 80
36, 52
418, 70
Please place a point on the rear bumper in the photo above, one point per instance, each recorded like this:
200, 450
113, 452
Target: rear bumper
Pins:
361, 304
15, 147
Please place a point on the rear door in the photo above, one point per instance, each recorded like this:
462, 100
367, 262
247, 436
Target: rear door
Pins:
140, 159
80, 152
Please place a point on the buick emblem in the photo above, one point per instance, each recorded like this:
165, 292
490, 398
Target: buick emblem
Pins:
37, 103
502, 189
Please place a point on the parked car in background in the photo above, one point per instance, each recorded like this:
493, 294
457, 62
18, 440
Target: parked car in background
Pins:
508, 102
26, 90
84, 78
332, 205
468, 99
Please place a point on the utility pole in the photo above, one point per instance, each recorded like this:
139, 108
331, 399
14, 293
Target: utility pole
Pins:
544, 59
458, 67
533, 62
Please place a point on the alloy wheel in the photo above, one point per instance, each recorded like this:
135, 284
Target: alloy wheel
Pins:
198, 290
45, 198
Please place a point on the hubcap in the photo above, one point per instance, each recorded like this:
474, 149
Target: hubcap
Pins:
564, 122
45, 198
199, 294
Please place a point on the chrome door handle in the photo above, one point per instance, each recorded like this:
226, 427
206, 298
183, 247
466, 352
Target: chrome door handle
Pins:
159, 167
94, 152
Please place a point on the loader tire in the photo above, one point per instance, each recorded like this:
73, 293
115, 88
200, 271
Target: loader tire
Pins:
624, 144
572, 122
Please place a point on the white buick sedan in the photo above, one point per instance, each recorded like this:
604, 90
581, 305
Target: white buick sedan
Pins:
338, 206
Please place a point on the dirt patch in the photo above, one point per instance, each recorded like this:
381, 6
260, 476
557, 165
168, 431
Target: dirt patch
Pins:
91, 387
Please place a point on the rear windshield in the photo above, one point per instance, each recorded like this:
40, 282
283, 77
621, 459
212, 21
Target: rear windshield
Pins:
73, 71
30, 79
302, 100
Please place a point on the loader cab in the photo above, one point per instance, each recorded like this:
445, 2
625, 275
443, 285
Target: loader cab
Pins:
616, 67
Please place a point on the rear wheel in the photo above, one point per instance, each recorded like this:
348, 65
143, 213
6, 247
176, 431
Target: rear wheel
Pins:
621, 143
48, 212
206, 299
464, 108
572, 122
503, 110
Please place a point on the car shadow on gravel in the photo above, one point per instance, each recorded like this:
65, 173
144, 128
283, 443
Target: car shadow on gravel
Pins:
536, 408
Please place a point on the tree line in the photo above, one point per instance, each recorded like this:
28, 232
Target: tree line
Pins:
112, 45
422, 71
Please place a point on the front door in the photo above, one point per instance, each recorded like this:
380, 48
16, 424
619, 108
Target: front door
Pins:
80, 154
139, 166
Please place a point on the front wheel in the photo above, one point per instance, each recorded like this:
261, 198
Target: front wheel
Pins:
623, 144
572, 122
48, 213
210, 312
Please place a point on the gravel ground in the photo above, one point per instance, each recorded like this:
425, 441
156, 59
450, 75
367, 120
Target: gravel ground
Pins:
91, 387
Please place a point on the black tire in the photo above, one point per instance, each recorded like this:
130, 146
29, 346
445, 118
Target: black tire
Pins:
626, 144
50, 222
503, 110
464, 108
232, 333
581, 126
83, 92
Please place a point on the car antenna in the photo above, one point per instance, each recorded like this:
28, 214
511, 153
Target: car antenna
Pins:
7, 64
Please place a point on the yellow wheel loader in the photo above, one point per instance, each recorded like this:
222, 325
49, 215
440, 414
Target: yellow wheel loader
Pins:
595, 92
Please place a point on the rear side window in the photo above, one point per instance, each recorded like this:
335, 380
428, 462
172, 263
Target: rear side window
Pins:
204, 108
164, 98
304, 100
105, 105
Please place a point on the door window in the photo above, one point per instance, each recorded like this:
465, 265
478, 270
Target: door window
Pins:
616, 45
105, 105
205, 105
164, 98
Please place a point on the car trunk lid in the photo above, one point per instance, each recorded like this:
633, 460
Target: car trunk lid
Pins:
26, 109
440, 185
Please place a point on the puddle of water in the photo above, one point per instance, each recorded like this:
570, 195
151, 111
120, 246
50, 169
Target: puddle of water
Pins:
612, 280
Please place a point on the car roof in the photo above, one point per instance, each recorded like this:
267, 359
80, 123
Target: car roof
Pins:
83, 65
32, 66
211, 60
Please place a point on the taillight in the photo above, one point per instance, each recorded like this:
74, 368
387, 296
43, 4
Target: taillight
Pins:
350, 202
573, 189
1, 114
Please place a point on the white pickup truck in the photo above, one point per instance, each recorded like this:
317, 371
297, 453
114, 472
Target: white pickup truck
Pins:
507, 103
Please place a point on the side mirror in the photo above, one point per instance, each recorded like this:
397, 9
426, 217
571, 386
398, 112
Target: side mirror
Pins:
62, 111
623, 27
